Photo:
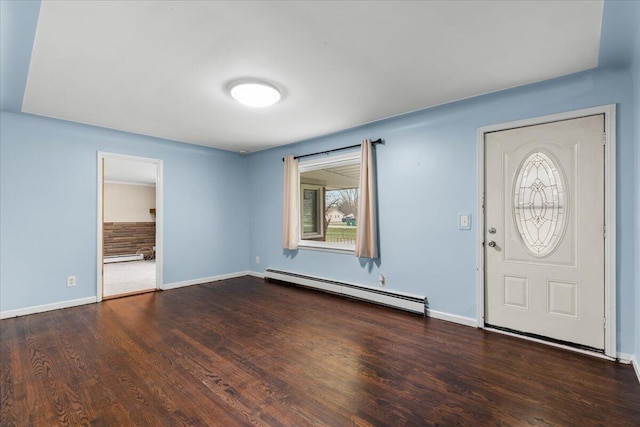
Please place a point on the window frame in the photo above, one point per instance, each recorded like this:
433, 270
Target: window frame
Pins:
317, 164
319, 213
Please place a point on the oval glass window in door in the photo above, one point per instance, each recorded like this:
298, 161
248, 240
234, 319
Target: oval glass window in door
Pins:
539, 208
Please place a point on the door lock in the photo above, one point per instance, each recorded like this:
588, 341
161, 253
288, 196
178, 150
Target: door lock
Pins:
492, 230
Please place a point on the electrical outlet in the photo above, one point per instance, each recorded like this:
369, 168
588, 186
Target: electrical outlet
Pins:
382, 279
257, 260
71, 281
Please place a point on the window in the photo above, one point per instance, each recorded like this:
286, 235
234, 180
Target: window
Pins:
311, 210
329, 202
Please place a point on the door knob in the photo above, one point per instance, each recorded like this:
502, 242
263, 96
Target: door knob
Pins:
492, 244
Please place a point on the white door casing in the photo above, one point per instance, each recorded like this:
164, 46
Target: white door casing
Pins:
159, 254
564, 287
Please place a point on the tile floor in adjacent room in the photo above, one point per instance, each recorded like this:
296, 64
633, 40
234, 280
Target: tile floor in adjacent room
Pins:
130, 276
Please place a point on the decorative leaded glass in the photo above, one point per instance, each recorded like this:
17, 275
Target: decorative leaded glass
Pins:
539, 204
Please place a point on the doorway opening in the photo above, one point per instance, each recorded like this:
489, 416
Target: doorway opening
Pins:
129, 225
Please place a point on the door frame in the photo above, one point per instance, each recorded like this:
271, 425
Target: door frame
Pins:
609, 142
159, 216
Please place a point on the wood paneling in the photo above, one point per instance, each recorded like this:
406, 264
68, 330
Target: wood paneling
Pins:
125, 238
245, 352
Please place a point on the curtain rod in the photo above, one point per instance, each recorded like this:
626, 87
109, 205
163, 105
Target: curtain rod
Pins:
377, 141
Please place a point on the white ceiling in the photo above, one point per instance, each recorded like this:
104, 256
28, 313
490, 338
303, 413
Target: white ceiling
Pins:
162, 68
339, 177
119, 170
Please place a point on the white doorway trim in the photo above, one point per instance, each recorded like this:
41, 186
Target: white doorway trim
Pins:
609, 112
159, 216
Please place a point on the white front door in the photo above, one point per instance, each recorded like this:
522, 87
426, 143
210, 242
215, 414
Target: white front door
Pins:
544, 230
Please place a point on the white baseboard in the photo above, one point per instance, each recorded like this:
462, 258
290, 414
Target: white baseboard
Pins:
46, 307
90, 300
632, 360
192, 282
624, 357
634, 363
256, 274
467, 321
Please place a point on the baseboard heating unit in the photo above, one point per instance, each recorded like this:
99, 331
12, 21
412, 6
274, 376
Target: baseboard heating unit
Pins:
396, 299
122, 258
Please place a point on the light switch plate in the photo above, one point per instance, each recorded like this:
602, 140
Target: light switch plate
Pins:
464, 221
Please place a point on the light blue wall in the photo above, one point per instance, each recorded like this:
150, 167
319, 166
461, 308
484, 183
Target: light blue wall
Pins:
617, 34
48, 214
427, 173
620, 49
635, 75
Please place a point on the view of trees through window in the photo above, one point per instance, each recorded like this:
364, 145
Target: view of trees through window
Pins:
340, 215
329, 203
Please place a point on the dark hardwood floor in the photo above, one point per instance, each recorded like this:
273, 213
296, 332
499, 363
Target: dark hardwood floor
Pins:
245, 352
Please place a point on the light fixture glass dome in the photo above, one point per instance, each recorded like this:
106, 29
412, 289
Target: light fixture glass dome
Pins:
255, 94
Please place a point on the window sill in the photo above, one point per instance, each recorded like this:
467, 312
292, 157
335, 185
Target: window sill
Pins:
340, 248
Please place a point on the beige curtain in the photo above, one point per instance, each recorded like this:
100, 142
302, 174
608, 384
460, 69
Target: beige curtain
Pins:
291, 204
367, 221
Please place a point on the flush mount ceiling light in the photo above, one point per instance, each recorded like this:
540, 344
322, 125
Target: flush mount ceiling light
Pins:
255, 94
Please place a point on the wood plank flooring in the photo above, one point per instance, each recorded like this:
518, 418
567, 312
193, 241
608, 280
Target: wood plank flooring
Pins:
245, 352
